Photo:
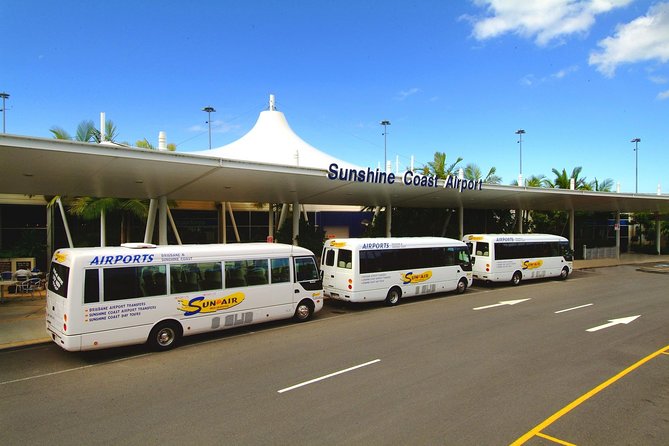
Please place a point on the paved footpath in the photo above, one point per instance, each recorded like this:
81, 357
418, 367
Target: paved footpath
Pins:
22, 319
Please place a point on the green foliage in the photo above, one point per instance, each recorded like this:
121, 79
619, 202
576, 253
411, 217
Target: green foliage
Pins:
310, 236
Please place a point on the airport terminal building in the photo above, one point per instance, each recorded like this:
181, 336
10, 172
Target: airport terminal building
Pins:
251, 188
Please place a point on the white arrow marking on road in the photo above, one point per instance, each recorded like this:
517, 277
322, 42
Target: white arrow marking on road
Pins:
612, 322
504, 302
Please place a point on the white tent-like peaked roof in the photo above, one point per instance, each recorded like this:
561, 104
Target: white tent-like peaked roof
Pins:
272, 141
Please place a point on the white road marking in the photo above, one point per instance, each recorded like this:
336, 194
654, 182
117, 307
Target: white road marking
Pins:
573, 308
612, 322
306, 383
28, 378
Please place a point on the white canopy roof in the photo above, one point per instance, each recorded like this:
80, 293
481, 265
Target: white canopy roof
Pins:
272, 141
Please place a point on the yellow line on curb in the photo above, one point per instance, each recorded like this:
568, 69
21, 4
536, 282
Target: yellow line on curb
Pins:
560, 413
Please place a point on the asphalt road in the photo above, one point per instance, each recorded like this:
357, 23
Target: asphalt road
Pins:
450, 369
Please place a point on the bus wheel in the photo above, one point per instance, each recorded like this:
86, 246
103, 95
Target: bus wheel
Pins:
164, 336
515, 279
304, 311
462, 286
393, 297
564, 273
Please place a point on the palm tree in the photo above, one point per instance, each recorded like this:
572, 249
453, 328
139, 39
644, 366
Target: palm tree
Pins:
562, 179
438, 166
86, 132
601, 186
473, 172
90, 208
145, 144
536, 181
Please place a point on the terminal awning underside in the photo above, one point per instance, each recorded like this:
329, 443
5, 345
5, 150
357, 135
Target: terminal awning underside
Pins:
37, 166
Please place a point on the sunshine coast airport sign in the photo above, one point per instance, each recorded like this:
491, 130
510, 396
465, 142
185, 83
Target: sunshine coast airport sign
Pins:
409, 178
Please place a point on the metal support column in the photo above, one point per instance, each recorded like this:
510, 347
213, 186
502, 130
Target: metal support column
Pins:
658, 239
234, 222
572, 216
162, 221
150, 221
67, 227
618, 229
103, 228
461, 222
389, 220
296, 222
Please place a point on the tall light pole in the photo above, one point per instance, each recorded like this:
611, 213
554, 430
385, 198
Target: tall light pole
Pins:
4, 96
209, 111
385, 125
636, 142
520, 133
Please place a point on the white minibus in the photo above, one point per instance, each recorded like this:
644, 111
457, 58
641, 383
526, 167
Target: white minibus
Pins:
136, 293
387, 269
516, 257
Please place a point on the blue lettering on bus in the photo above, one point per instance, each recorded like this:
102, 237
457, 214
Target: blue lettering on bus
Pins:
125, 260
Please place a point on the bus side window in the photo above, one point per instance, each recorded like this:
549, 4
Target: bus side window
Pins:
280, 271
344, 260
91, 286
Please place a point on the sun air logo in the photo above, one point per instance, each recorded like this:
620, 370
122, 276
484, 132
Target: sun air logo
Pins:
199, 304
59, 257
415, 278
532, 265
337, 244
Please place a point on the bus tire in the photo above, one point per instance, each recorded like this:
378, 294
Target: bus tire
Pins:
564, 273
516, 278
462, 286
304, 311
165, 335
393, 297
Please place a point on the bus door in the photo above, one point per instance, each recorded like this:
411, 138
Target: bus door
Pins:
307, 278
327, 268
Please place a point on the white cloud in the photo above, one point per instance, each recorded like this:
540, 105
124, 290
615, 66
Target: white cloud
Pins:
544, 20
531, 80
217, 126
663, 95
564, 72
402, 95
643, 39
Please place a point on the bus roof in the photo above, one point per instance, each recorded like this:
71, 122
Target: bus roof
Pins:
514, 238
180, 253
391, 243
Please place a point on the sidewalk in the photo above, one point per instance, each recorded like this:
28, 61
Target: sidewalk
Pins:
22, 317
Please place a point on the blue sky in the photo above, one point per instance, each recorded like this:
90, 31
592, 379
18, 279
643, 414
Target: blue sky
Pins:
582, 78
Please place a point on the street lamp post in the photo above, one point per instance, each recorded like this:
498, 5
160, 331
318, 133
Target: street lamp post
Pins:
520, 133
385, 125
209, 111
4, 96
636, 142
